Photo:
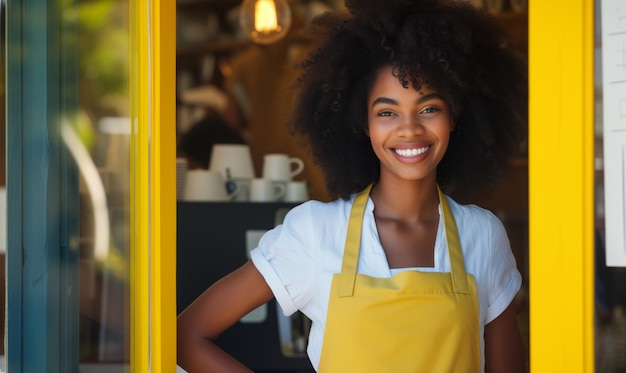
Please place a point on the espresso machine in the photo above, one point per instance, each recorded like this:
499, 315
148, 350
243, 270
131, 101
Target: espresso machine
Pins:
213, 239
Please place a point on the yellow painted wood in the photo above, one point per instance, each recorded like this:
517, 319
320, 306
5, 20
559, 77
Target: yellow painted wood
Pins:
561, 185
140, 188
153, 186
163, 289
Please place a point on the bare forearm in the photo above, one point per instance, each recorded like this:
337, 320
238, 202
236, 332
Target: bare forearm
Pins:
203, 356
216, 310
503, 346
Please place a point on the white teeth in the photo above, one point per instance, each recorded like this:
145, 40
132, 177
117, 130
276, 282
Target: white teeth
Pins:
411, 152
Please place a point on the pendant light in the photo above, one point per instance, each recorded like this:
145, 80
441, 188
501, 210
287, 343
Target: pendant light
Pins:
265, 21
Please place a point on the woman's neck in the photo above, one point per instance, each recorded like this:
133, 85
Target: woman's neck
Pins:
406, 200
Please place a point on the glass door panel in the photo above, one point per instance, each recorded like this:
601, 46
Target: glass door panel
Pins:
91, 238
68, 184
103, 132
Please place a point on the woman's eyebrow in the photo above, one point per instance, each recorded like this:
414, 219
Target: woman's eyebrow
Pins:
390, 101
430, 96
384, 100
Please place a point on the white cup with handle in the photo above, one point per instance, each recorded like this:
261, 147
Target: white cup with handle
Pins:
281, 167
296, 191
206, 185
264, 190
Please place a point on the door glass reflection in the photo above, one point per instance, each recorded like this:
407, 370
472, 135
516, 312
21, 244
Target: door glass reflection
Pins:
104, 132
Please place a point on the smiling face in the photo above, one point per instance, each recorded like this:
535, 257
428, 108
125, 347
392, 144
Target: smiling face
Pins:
409, 129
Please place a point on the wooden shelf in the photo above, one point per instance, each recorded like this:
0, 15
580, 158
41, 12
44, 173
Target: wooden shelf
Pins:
227, 46
211, 47
214, 4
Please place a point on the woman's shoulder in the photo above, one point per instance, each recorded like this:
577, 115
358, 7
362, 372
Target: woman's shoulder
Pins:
321, 212
330, 206
314, 223
473, 214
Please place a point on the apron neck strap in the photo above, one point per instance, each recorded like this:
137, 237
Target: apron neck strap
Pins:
457, 265
353, 245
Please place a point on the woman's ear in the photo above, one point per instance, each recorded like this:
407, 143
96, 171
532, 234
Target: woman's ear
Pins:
366, 130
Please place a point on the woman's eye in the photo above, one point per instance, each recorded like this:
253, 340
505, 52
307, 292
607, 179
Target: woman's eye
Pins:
429, 110
385, 113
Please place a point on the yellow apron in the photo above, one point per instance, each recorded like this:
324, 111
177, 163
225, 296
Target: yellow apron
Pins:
412, 322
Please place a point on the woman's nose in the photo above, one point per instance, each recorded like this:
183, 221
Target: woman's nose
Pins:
410, 126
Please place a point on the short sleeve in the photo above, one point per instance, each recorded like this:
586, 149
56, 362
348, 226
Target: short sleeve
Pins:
504, 277
285, 258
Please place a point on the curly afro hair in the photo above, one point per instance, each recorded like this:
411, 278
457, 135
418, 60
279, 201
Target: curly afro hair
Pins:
448, 44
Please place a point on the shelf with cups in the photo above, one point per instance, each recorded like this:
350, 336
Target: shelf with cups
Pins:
206, 27
225, 45
231, 177
212, 27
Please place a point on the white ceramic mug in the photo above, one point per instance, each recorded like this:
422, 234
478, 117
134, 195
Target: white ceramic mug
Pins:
243, 184
279, 167
203, 185
234, 157
296, 191
264, 190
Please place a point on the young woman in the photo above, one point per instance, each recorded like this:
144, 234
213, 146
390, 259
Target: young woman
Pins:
401, 102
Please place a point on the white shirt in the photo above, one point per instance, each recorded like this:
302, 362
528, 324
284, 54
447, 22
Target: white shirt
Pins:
299, 258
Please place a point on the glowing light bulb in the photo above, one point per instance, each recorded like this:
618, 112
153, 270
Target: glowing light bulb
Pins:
265, 16
265, 21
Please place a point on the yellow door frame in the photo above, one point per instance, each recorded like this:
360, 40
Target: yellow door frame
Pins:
561, 186
561, 182
153, 185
